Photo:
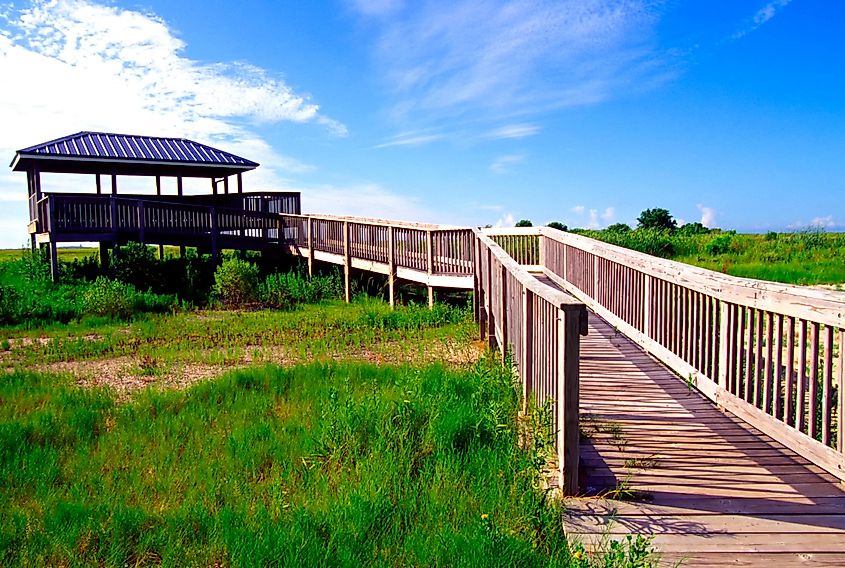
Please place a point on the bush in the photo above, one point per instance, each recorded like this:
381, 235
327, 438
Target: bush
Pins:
284, 290
691, 229
135, 264
720, 244
236, 282
108, 298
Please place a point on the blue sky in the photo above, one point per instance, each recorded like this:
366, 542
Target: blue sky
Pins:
731, 113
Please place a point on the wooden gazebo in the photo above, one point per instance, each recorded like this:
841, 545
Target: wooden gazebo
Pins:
227, 217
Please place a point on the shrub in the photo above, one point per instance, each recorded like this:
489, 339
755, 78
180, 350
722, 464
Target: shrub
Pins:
619, 228
720, 244
236, 282
135, 264
284, 290
9, 302
524, 223
557, 225
108, 298
690, 229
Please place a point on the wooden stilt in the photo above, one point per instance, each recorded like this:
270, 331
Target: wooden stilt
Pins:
309, 240
104, 255
391, 268
54, 262
347, 291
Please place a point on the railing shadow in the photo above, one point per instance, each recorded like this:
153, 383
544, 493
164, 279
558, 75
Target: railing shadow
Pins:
703, 462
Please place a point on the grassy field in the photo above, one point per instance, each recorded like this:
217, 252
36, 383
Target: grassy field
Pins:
808, 258
331, 434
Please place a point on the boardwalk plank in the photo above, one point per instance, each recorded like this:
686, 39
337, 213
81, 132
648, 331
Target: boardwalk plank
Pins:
716, 491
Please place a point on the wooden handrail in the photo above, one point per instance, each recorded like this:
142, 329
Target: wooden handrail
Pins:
540, 327
769, 353
814, 304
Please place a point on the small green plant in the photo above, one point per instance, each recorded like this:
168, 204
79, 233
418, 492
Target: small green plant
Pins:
236, 282
649, 462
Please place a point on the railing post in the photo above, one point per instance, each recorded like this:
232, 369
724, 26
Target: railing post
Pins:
430, 254
647, 305
488, 300
504, 291
391, 267
141, 225
113, 221
346, 289
310, 241
568, 435
840, 410
214, 251
527, 370
478, 292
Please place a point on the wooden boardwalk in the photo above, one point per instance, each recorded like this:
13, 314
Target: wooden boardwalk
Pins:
711, 489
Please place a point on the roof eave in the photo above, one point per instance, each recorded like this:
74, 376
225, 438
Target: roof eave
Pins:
18, 166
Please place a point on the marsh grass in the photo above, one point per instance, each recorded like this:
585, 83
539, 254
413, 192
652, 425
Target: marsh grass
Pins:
343, 464
807, 258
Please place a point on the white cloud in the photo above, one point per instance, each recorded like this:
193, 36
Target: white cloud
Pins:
593, 223
609, 215
823, 222
447, 57
708, 216
578, 210
513, 131
78, 65
762, 16
504, 164
506, 220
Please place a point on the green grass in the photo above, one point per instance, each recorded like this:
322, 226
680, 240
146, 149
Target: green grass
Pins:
340, 464
807, 258
329, 330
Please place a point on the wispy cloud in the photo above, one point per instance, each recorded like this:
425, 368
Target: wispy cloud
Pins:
578, 209
515, 131
441, 58
708, 216
505, 164
411, 139
762, 16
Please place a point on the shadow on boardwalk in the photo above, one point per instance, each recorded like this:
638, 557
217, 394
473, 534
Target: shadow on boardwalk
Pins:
711, 489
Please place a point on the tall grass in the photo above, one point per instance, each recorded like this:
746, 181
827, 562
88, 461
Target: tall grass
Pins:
323, 464
809, 257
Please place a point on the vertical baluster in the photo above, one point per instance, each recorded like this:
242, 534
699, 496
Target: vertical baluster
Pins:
813, 402
767, 374
827, 383
800, 399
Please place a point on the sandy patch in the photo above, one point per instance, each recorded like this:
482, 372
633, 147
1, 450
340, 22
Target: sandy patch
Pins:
127, 375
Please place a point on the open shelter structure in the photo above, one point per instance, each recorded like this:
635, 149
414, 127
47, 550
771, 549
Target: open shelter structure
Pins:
226, 217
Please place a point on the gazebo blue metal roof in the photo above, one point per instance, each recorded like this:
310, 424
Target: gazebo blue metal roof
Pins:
101, 152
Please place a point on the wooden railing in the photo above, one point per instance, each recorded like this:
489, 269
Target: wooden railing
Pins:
540, 328
146, 218
769, 353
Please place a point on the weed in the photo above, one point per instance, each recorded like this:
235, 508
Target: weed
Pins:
641, 463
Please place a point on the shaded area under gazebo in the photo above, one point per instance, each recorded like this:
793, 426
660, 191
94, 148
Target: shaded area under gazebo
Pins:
225, 218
